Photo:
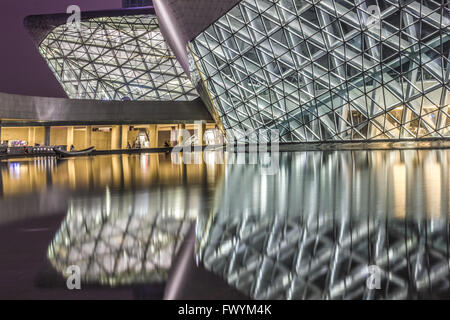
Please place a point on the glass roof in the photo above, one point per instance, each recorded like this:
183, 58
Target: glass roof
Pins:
116, 58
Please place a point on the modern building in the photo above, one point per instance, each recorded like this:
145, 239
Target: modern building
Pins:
112, 55
313, 71
122, 80
322, 70
357, 199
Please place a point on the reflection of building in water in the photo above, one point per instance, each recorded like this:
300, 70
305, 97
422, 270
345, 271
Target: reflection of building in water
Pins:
94, 173
327, 70
312, 230
25, 176
125, 239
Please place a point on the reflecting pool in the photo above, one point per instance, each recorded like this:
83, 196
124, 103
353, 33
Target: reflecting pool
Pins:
324, 225
333, 225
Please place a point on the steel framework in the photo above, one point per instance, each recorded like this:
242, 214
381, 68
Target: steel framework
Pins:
121, 239
320, 70
116, 58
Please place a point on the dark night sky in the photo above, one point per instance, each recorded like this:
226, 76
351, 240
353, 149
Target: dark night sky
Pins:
22, 70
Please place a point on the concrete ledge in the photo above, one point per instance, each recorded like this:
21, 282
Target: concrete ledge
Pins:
19, 107
431, 143
423, 144
94, 153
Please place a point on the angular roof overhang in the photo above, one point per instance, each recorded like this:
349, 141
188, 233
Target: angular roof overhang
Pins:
39, 26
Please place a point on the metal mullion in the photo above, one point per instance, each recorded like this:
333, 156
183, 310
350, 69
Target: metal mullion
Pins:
146, 66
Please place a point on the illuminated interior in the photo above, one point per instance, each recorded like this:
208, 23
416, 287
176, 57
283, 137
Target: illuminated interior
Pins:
116, 58
329, 70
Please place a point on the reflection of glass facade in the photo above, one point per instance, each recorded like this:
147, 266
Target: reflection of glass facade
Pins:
116, 58
127, 238
330, 69
311, 231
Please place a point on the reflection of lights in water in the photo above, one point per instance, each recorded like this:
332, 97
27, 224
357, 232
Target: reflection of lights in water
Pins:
95, 173
213, 137
210, 158
324, 218
44, 163
144, 159
14, 170
432, 187
125, 238
399, 186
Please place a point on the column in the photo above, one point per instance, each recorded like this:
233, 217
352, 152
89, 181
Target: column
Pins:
201, 129
88, 137
173, 138
181, 127
69, 137
124, 136
153, 135
31, 136
115, 138
47, 136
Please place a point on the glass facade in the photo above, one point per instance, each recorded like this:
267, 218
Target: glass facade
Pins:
116, 58
329, 70
312, 230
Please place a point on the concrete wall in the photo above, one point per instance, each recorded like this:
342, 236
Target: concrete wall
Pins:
14, 134
101, 140
79, 139
95, 111
40, 135
58, 136
8, 134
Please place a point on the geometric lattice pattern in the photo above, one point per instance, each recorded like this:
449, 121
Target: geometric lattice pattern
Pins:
116, 58
330, 69
312, 231
120, 240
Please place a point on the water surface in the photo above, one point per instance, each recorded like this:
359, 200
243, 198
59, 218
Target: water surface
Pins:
309, 231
